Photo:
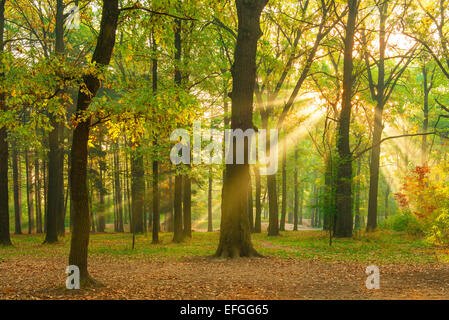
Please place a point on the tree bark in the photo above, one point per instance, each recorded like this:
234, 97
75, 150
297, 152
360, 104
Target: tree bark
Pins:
250, 205
187, 206
178, 235
235, 235
17, 189
118, 191
156, 213
30, 194
137, 191
5, 238
55, 188
284, 185
37, 191
357, 224
344, 166
209, 203
295, 209
258, 220
101, 57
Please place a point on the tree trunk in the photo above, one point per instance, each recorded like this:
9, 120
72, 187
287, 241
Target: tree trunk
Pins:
53, 189
273, 213
30, 200
284, 184
250, 205
5, 238
187, 206
137, 191
427, 84
61, 211
209, 203
235, 235
295, 182
178, 235
344, 167
17, 188
53, 219
118, 191
258, 221
357, 196
156, 214
169, 217
329, 197
301, 205
102, 55
37, 191
387, 197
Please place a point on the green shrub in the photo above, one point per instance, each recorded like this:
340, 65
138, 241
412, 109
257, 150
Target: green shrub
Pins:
439, 229
404, 222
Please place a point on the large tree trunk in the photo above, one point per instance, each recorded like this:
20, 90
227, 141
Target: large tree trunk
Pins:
235, 235
378, 125
5, 238
102, 55
156, 214
178, 235
344, 167
55, 188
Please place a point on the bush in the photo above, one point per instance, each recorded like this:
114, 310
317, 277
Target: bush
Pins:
439, 230
404, 222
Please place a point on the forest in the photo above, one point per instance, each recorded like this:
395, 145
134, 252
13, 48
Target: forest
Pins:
116, 158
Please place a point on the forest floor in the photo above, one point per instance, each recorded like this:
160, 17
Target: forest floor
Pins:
297, 265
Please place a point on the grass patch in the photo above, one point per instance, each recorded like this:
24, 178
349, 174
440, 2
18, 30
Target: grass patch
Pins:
378, 247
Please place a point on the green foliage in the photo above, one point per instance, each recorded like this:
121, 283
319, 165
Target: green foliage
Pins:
438, 232
403, 222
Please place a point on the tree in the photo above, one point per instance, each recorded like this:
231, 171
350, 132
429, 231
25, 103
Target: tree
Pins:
381, 91
235, 236
343, 191
4, 201
78, 171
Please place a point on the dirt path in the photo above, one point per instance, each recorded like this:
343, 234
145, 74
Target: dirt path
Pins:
205, 278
